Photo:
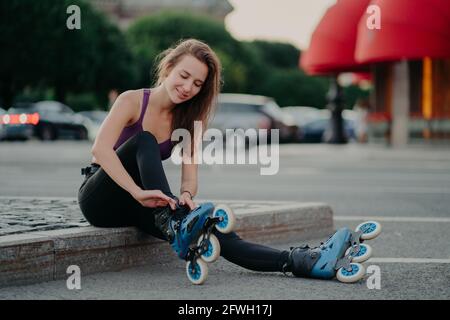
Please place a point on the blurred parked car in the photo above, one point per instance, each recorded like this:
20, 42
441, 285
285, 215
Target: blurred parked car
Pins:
303, 114
17, 126
2, 131
317, 130
46, 120
243, 111
93, 121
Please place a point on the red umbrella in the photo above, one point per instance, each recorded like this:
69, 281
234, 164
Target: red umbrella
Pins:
332, 45
362, 76
410, 29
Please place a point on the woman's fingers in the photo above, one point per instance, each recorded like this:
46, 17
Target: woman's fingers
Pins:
149, 204
153, 203
160, 199
160, 203
190, 203
169, 200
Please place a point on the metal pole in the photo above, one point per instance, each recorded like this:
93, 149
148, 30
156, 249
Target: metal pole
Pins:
335, 101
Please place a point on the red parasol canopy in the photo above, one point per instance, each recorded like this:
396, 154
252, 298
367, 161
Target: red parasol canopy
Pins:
410, 29
332, 45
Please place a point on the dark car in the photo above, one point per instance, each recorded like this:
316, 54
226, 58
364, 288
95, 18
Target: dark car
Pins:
17, 124
244, 111
316, 130
46, 120
2, 126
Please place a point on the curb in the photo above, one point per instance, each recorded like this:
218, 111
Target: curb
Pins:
35, 257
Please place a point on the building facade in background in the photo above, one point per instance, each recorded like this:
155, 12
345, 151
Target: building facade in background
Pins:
123, 12
418, 90
405, 45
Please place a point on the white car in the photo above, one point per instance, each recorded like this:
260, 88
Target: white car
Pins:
245, 111
92, 121
303, 114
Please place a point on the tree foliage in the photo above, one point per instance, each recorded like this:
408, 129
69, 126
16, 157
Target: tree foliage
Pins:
38, 50
153, 34
41, 57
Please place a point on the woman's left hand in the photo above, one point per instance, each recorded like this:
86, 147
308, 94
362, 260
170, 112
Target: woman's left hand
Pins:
185, 199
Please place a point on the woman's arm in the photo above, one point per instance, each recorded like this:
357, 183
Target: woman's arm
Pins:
189, 179
122, 111
188, 184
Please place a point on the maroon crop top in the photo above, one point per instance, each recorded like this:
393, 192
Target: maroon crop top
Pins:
165, 147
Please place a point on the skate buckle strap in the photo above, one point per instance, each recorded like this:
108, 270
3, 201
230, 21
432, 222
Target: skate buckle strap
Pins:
301, 260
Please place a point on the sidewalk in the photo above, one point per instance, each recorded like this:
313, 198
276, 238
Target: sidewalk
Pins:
41, 237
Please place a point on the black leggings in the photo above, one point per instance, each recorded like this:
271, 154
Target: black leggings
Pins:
105, 204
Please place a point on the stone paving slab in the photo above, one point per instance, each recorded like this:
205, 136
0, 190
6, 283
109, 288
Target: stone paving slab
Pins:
22, 215
58, 236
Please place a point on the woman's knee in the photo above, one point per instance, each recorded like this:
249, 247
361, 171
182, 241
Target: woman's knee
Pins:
142, 138
146, 136
147, 144
147, 139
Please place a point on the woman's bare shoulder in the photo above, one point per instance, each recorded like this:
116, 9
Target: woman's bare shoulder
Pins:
129, 101
130, 96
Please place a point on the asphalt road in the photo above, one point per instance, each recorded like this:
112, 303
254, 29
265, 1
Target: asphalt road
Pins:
407, 190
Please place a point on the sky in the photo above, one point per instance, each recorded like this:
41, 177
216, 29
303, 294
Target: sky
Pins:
290, 21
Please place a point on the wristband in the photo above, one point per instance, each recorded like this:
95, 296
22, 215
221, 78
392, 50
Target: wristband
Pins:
190, 194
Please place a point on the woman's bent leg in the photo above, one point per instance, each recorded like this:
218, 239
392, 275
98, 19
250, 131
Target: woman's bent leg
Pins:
105, 204
141, 156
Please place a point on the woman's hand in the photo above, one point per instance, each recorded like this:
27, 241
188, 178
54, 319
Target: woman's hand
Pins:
185, 198
153, 199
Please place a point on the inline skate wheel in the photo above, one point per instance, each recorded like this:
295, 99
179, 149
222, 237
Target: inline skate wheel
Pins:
370, 230
198, 273
229, 219
356, 273
364, 254
212, 253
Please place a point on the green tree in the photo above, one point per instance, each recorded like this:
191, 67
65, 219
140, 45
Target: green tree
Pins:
352, 93
275, 73
152, 34
278, 54
257, 67
292, 87
38, 50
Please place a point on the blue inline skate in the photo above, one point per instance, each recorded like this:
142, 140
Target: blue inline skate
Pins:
340, 256
190, 235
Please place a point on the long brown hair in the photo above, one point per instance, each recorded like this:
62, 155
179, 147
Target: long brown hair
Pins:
200, 107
